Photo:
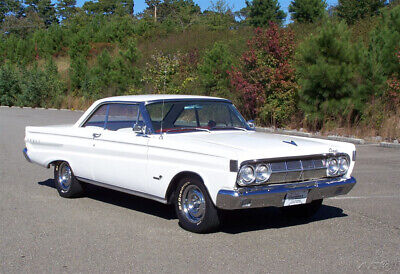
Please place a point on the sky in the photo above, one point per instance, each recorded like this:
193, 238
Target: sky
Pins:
236, 5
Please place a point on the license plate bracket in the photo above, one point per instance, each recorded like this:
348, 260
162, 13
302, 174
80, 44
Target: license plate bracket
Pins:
296, 197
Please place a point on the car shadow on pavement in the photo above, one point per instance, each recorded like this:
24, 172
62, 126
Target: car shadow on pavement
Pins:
233, 222
246, 220
123, 200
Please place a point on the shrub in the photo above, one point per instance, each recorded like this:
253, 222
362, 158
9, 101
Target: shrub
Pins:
10, 86
265, 79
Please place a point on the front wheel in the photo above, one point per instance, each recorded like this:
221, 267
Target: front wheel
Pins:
66, 183
194, 208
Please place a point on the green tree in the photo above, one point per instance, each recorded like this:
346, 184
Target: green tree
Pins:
66, 8
385, 41
381, 61
351, 10
214, 68
219, 15
9, 6
327, 65
178, 13
307, 11
261, 12
109, 7
44, 8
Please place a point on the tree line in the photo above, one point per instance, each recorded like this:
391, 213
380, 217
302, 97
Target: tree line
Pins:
331, 67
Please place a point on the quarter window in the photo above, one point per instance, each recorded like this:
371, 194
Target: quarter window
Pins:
98, 118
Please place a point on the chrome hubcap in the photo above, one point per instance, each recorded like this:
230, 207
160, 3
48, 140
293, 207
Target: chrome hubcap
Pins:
193, 203
64, 176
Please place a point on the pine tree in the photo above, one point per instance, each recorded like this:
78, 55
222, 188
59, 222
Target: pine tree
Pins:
66, 8
264, 11
47, 12
351, 10
9, 6
307, 11
327, 65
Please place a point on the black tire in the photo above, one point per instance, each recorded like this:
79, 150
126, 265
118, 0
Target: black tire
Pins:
303, 211
66, 183
203, 216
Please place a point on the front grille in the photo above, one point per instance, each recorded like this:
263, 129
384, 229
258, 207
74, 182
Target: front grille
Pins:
297, 170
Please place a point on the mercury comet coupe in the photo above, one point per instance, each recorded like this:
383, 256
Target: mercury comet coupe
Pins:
195, 152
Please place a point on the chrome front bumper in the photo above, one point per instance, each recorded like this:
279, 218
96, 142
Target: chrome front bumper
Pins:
274, 195
25, 152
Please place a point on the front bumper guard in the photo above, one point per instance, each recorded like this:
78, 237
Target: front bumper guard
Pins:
274, 195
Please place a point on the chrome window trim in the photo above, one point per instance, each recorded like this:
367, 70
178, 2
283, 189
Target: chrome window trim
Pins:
186, 99
235, 110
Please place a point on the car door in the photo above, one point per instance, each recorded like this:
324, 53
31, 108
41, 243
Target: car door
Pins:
83, 143
120, 151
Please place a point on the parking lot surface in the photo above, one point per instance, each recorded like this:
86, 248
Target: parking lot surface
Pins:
108, 231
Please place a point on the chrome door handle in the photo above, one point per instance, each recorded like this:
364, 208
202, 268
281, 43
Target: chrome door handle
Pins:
96, 135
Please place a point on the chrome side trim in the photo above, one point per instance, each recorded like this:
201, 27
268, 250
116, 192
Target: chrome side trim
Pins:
125, 190
25, 152
274, 195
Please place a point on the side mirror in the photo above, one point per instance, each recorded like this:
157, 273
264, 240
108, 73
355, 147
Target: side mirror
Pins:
139, 129
251, 124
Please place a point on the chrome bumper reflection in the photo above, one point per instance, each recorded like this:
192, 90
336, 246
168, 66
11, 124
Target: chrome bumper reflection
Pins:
25, 152
274, 195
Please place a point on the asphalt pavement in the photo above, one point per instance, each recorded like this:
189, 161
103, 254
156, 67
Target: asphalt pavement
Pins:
108, 231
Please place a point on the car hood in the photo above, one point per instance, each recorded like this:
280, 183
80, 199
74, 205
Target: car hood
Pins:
257, 145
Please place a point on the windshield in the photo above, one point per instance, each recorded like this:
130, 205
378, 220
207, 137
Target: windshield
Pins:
184, 116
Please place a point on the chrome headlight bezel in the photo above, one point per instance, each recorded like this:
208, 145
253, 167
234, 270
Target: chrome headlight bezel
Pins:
263, 173
337, 166
344, 165
332, 167
241, 180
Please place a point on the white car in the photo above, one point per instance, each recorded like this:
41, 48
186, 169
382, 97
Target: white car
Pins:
195, 152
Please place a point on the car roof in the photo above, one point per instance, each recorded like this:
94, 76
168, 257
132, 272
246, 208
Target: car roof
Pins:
148, 98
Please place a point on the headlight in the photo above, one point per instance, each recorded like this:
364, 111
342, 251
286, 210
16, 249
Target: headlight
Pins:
263, 172
246, 175
332, 167
343, 165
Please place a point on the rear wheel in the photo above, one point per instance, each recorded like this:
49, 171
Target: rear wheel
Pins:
66, 183
303, 211
194, 207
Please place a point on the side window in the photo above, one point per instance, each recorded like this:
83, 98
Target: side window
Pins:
98, 118
123, 116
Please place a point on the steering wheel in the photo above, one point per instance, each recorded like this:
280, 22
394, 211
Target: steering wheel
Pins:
211, 124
